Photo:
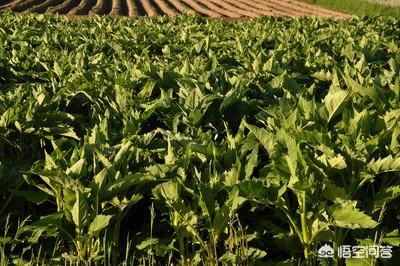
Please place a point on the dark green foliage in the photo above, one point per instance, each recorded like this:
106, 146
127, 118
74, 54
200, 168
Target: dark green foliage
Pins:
196, 141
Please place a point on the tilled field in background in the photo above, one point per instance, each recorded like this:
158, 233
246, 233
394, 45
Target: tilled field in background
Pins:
208, 8
386, 2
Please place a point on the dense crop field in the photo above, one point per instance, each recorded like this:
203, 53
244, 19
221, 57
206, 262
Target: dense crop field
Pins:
208, 8
194, 141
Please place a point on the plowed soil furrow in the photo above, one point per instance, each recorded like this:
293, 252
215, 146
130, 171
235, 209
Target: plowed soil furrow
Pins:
131, 8
26, 5
317, 10
178, 6
247, 8
151, 8
139, 8
46, 5
148, 9
6, 3
75, 9
164, 8
201, 10
102, 7
220, 9
123, 8
232, 8
83, 8
279, 7
294, 9
291, 7
266, 10
114, 7
65, 7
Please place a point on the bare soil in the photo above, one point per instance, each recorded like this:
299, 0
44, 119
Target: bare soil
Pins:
231, 9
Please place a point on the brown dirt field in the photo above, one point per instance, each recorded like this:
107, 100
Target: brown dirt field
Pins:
230, 9
220, 9
245, 7
164, 8
105, 7
5, 3
199, 9
124, 9
21, 7
178, 6
131, 8
115, 7
289, 11
287, 5
43, 7
232, 6
148, 8
9, 3
318, 10
266, 8
300, 9
65, 6
83, 8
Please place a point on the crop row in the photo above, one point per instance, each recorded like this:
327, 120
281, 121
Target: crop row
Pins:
210, 8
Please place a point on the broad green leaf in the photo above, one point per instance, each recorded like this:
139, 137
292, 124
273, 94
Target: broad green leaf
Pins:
266, 138
170, 157
322, 75
382, 165
255, 190
122, 153
80, 212
77, 168
57, 69
350, 217
228, 258
337, 162
49, 162
227, 212
48, 224
256, 254
37, 197
232, 176
100, 178
334, 193
391, 118
103, 159
125, 203
125, 183
384, 196
147, 243
99, 223
252, 163
392, 238
169, 191
360, 261
333, 102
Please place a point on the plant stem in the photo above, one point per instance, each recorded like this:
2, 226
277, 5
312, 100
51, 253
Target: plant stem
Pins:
115, 238
304, 228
